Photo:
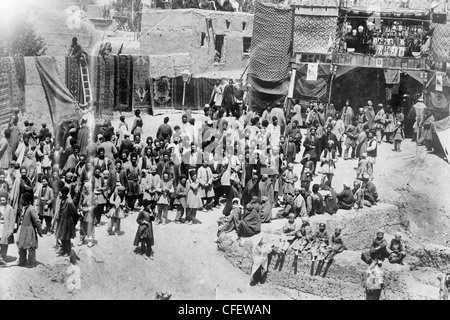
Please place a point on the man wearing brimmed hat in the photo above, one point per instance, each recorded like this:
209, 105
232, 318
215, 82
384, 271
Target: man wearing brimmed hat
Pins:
30, 228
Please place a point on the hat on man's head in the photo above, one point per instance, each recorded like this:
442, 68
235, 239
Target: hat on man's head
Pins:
292, 215
27, 197
4, 194
65, 190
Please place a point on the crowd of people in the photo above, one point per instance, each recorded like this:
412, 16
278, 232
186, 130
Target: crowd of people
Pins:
229, 158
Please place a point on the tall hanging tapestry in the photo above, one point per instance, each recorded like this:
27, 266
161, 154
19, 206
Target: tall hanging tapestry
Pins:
124, 82
103, 75
270, 54
162, 91
73, 78
5, 92
141, 81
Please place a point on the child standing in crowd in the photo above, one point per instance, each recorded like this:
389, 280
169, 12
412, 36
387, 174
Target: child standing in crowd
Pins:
398, 136
117, 211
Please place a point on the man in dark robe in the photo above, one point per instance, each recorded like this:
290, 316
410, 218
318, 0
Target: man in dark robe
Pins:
164, 131
235, 192
250, 223
83, 137
251, 189
330, 200
378, 250
312, 147
265, 188
65, 230
345, 198
266, 210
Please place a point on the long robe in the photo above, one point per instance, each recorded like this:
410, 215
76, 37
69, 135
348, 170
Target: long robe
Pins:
5, 153
48, 200
83, 139
9, 219
235, 192
266, 212
205, 176
347, 115
250, 224
29, 225
250, 190
361, 144
265, 189
145, 230
65, 229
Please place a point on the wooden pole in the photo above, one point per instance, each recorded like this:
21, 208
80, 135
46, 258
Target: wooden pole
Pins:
184, 94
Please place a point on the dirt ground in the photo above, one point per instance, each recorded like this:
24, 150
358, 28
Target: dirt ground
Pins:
187, 263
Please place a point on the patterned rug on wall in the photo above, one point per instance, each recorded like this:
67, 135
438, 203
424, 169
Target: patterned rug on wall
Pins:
141, 81
103, 82
5, 92
313, 33
162, 92
124, 82
73, 78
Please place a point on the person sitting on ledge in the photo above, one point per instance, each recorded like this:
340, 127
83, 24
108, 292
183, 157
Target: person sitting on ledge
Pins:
378, 250
345, 198
397, 250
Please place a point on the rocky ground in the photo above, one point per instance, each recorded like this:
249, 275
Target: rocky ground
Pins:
412, 185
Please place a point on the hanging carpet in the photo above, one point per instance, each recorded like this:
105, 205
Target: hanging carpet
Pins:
73, 78
124, 82
61, 102
270, 55
102, 76
141, 81
6, 67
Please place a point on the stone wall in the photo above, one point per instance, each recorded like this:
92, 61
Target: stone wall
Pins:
179, 31
345, 278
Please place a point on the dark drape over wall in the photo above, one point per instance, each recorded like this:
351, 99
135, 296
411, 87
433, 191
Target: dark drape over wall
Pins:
312, 89
359, 86
270, 54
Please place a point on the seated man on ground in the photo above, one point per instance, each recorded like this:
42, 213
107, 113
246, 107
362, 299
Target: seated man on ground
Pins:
378, 250
345, 198
288, 207
397, 249
289, 232
303, 237
336, 246
266, 210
